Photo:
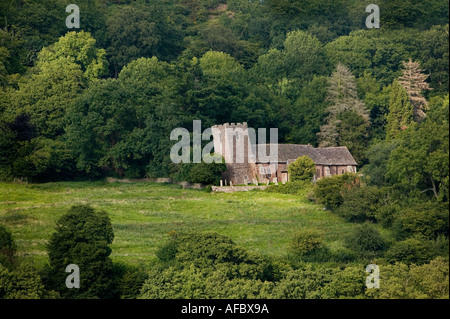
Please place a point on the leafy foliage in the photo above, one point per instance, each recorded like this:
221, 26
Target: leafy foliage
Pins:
360, 204
426, 219
410, 251
297, 187
429, 281
328, 191
366, 240
7, 246
23, 283
82, 237
421, 158
302, 169
306, 241
102, 101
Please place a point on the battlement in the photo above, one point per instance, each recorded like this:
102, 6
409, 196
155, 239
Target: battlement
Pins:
222, 127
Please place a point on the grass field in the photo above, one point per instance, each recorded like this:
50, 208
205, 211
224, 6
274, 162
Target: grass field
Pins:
143, 214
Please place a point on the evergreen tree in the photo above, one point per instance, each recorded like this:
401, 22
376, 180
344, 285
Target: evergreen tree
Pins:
82, 238
345, 111
413, 81
400, 111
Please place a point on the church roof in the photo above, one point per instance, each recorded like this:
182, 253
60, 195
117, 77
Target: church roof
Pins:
321, 156
336, 155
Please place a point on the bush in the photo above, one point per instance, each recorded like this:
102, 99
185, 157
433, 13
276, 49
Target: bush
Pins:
167, 252
197, 283
82, 237
427, 219
360, 204
204, 173
328, 191
208, 189
441, 246
129, 280
428, 281
346, 284
211, 251
343, 255
302, 169
366, 240
304, 283
7, 245
22, 283
293, 188
209, 265
305, 241
410, 251
385, 214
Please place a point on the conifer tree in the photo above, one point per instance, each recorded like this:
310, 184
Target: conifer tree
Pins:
413, 81
400, 111
345, 105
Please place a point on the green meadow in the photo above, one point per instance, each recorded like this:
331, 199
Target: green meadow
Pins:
143, 214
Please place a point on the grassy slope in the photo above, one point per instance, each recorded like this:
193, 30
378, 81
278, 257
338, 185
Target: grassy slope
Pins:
143, 214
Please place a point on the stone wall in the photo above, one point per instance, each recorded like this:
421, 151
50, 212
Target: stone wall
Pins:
232, 189
184, 185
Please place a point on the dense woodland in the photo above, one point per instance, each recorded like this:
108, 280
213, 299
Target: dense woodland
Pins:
102, 100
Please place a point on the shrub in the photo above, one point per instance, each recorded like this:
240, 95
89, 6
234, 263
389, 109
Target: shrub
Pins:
167, 252
208, 189
385, 214
293, 188
426, 219
211, 251
7, 245
206, 173
348, 283
343, 255
305, 241
22, 283
196, 283
428, 281
441, 246
360, 204
302, 169
410, 251
129, 280
209, 265
328, 191
366, 240
82, 237
304, 283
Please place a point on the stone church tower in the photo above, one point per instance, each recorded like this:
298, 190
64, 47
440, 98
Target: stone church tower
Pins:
232, 141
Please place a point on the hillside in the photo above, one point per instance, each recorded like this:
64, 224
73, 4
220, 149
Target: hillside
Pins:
143, 214
101, 90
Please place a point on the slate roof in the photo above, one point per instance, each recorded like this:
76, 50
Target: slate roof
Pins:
322, 156
336, 155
